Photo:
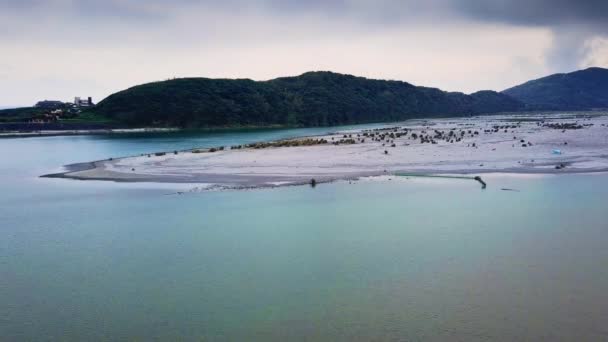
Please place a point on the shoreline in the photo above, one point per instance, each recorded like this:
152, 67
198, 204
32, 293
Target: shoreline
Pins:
219, 184
456, 146
125, 130
77, 132
208, 178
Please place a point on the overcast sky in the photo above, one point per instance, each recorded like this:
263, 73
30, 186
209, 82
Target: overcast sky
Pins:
58, 49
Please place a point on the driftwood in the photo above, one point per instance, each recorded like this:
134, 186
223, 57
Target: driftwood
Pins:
476, 178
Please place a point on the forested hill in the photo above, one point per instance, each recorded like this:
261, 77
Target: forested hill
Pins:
311, 99
579, 90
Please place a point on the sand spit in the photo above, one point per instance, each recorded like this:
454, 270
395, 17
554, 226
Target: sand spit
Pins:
507, 144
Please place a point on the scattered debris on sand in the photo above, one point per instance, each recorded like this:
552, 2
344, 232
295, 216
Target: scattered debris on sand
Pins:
546, 143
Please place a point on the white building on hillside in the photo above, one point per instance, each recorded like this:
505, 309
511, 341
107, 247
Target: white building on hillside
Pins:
83, 102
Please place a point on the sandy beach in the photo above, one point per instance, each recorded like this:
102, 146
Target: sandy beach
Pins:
532, 143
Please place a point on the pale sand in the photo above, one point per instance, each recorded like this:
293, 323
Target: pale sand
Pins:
586, 151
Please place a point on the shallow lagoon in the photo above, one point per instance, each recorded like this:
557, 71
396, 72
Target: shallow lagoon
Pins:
414, 259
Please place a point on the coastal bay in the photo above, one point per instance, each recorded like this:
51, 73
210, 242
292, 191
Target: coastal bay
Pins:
304, 170
406, 258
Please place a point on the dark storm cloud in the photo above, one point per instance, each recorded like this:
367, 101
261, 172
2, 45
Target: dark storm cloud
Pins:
537, 12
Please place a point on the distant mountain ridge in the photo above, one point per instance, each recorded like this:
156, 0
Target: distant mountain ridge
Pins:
311, 99
324, 98
580, 90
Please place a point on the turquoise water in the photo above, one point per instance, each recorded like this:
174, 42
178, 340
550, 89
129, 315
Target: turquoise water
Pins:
405, 259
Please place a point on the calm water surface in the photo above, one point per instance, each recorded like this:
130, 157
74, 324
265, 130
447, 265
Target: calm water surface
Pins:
408, 259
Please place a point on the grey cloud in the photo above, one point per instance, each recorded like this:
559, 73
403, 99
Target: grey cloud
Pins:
520, 12
515, 12
571, 22
89, 9
567, 51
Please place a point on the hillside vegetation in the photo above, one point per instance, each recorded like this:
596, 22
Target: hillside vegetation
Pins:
580, 90
19, 114
311, 99
319, 99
